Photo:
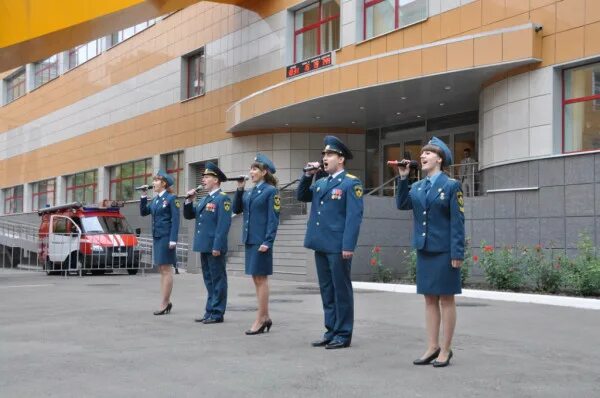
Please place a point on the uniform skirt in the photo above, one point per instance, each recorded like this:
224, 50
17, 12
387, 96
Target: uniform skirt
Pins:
258, 263
161, 254
435, 275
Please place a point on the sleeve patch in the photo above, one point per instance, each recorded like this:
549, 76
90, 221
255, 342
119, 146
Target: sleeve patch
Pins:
461, 201
358, 191
277, 203
227, 205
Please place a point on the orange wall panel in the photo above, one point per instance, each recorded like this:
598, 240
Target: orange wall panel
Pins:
569, 44
488, 50
460, 55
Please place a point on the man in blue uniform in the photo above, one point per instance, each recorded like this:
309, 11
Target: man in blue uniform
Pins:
332, 232
213, 219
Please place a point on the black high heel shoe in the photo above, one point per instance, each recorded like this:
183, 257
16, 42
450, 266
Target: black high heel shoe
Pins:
266, 325
427, 360
166, 310
438, 364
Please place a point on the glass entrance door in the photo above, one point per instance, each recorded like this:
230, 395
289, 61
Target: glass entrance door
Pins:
409, 149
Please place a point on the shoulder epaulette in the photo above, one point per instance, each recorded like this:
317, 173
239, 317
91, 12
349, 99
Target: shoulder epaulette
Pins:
223, 193
351, 176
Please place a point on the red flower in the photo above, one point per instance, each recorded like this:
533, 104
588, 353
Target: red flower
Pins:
373, 262
377, 249
475, 258
488, 248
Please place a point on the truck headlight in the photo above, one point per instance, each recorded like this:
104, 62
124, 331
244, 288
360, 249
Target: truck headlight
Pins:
97, 249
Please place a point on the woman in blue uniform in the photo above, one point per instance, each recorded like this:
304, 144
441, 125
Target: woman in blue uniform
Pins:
261, 207
164, 208
438, 236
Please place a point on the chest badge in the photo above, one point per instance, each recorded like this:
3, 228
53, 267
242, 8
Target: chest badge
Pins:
165, 203
336, 194
211, 207
442, 196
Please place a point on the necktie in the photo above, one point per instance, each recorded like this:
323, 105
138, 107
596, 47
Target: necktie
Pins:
427, 186
329, 179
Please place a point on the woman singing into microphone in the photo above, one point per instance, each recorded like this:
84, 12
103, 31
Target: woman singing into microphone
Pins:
438, 235
261, 208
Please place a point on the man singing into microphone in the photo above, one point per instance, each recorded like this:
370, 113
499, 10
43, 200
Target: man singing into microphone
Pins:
213, 219
332, 232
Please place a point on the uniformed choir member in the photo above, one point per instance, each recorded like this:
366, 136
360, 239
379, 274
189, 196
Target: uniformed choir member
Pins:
439, 234
212, 217
332, 232
261, 207
164, 208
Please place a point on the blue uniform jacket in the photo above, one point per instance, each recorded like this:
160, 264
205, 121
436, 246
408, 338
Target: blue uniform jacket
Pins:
213, 219
335, 214
165, 215
261, 214
439, 219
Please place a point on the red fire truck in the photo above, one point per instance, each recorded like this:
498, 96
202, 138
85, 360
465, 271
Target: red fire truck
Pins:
96, 239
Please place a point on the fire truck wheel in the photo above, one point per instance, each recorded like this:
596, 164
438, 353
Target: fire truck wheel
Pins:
132, 271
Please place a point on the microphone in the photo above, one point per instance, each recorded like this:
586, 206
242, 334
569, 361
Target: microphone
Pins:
413, 164
311, 168
239, 178
143, 187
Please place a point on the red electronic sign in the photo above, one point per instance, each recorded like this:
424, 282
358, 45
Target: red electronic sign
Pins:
309, 65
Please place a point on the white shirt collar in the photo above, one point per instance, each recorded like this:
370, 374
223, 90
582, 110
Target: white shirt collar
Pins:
160, 194
337, 174
214, 191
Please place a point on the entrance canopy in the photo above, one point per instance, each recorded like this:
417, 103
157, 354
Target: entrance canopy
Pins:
423, 82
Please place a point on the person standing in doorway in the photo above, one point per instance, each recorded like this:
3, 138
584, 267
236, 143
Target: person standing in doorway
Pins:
439, 237
332, 232
212, 217
466, 175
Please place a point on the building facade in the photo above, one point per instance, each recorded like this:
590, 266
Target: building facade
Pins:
515, 82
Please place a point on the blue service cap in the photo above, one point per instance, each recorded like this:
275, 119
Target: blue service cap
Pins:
260, 158
212, 169
166, 177
334, 144
442, 145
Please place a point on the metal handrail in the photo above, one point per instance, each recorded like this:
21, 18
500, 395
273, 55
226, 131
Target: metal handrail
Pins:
377, 189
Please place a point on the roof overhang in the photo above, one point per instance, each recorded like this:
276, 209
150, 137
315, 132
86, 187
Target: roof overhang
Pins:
438, 79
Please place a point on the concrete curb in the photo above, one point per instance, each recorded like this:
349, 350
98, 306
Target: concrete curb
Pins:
562, 301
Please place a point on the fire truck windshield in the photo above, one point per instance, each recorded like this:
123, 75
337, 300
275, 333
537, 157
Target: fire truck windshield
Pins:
105, 225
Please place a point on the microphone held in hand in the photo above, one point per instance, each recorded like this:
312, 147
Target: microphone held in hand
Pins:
143, 187
238, 178
413, 164
312, 167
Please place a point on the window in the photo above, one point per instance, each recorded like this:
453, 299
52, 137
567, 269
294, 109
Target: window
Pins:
316, 29
85, 52
175, 164
196, 64
42, 194
46, 70
382, 16
125, 34
13, 200
581, 108
81, 187
15, 86
125, 177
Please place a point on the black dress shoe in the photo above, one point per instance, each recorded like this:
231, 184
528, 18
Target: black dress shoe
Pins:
209, 321
201, 320
334, 345
438, 364
427, 360
320, 343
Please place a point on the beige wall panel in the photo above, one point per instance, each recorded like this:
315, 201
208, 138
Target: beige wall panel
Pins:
434, 59
569, 14
432, 29
569, 44
488, 50
592, 39
409, 64
470, 16
367, 73
450, 23
387, 69
460, 55
545, 16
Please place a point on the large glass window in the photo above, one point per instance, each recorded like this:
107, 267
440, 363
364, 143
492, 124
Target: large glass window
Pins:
84, 52
15, 86
42, 194
196, 72
45, 70
125, 34
13, 200
382, 16
581, 108
125, 177
316, 29
175, 164
81, 187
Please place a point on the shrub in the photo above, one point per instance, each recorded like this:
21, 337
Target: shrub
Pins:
381, 273
543, 274
501, 268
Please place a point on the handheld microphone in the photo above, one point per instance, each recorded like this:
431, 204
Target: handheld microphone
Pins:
143, 187
239, 178
413, 164
311, 168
